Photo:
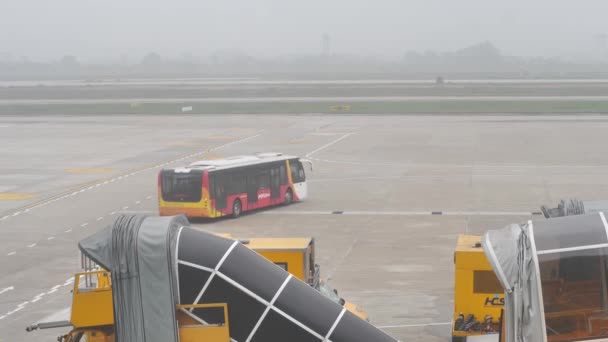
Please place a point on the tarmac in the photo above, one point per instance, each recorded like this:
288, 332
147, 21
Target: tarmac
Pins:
388, 196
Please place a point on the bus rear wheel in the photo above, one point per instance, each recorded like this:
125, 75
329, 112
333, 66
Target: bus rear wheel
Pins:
288, 197
237, 208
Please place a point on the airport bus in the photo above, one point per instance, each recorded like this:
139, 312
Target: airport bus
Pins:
228, 187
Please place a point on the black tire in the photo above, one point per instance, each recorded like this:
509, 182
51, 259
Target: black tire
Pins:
288, 197
237, 208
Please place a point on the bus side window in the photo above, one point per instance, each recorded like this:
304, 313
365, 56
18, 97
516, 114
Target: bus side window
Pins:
274, 177
237, 184
264, 179
283, 175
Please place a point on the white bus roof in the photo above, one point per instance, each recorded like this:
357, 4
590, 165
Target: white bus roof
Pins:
237, 161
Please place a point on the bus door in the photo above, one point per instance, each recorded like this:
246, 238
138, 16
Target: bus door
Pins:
219, 190
275, 183
252, 190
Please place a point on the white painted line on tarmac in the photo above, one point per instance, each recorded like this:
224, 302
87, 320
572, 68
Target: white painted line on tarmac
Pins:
31, 246
413, 325
404, 213
125, 207
137, 202
50, 238
11, 253
6, 289
100, 218
4, 218
329, 144
488, 213
84, 224
353, 179
17, 213
112, 213
68, 230
148, 197
38, 297
54, 289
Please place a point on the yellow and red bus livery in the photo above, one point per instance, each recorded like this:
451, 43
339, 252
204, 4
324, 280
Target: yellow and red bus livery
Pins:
230, 186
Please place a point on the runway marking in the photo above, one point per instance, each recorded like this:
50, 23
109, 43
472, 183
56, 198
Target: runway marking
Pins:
413, 325
50, 238
405, 213
11, 196
38, 297
112, 213
54, 289
6, 289
91, 185
329, 144
100, 218
137, 202
148, 197
125, 207
84, 224
11, 253
32, 245
68, 230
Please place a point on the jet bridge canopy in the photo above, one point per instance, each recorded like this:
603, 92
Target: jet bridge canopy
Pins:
555, 276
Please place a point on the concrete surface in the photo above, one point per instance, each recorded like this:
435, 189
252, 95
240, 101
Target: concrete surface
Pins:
386, 174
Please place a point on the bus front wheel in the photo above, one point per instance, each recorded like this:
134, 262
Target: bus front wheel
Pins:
237, 208
288, 197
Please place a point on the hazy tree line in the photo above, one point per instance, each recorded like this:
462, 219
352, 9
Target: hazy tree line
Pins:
480, 60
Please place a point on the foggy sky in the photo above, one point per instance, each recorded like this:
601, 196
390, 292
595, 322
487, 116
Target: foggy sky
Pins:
103, 30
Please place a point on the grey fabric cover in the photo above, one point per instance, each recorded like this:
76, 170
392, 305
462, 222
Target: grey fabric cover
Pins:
139, 252
510, 254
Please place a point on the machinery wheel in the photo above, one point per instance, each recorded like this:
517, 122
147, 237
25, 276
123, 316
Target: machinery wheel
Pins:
237, 208
288, 197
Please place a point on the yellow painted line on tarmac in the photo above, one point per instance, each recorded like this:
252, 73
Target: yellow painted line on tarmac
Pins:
89, 171
11, 196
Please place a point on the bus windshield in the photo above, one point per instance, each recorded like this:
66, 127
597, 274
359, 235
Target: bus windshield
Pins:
181, 187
